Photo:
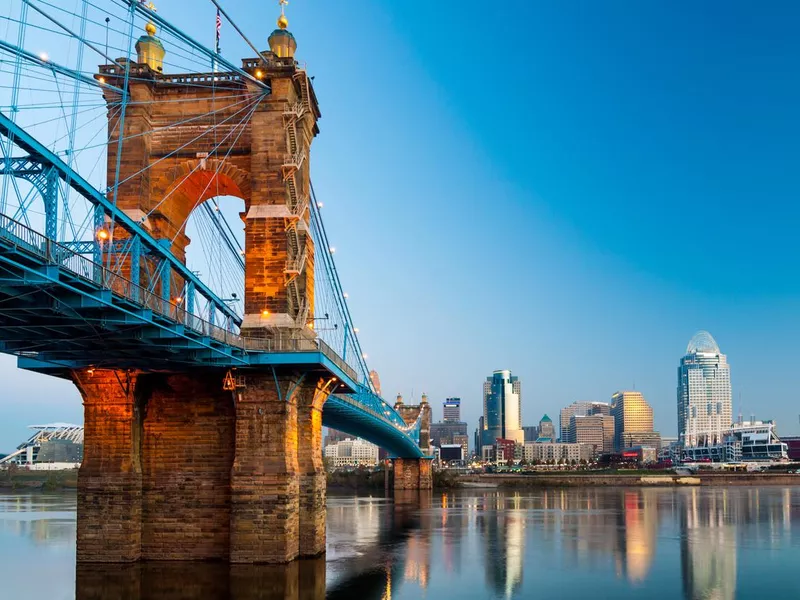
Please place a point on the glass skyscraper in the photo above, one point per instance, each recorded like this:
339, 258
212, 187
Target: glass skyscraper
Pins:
632, 414
502, 408
705, 404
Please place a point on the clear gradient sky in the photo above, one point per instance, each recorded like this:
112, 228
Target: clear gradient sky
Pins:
566, 190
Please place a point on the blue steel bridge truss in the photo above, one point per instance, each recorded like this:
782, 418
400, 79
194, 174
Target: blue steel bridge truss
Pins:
65, 303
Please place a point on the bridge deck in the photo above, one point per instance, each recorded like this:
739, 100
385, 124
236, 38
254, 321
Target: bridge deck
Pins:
61, 311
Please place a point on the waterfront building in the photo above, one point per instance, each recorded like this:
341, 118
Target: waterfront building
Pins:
743, 441
644, 439
531, 432
547, 432
451, 410
502, 408
352, 453
631, 414
451, 452
445, 432
595, 431
793, 447
543, 452
504, 450
705, 406
463, 441
51, 447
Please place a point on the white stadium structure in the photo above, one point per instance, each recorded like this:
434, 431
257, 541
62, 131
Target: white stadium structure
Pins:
51, 447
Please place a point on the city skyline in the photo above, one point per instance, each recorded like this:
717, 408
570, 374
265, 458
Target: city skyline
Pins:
605, 156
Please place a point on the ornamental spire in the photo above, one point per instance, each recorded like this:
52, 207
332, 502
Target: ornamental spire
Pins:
283, 22
150, 28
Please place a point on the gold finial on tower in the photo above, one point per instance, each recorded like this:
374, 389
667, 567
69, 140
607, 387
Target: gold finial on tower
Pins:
150, 28
283, 22
149, 49
281, 41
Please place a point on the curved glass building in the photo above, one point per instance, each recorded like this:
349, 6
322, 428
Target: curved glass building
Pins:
705, 404
502, 408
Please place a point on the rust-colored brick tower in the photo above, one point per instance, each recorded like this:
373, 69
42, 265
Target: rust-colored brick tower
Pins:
176, 468
186, 143
415, 473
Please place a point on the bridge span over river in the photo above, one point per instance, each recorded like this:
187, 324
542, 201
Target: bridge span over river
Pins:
208, 360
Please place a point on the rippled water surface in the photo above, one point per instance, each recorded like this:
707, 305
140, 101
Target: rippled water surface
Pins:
697, 544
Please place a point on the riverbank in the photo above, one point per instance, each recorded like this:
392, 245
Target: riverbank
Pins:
556, 480
47, 481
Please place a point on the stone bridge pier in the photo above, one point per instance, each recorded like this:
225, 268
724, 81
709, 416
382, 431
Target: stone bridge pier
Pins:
415, 473
176, 468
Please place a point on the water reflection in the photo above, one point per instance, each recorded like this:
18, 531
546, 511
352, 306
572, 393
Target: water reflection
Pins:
302, 580
630, 543
708, 545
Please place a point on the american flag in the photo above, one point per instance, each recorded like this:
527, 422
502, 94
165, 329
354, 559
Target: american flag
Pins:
219, 27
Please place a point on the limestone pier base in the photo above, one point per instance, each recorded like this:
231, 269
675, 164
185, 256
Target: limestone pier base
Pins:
177, 469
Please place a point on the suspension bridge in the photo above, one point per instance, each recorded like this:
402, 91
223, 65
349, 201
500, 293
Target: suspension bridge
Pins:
162, 246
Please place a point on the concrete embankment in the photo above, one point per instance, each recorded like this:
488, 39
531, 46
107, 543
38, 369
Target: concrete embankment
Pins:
630, 479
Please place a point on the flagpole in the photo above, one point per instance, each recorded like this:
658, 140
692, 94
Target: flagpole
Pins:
217, 27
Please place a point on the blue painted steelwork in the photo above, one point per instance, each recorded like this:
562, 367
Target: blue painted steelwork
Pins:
154, 247
56, 317
63, 309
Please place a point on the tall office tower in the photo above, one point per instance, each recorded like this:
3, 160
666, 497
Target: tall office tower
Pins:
531, 432
502, 408
546, 429
705, 406
478, 441
564, 416
600, 408
443, 432
579, 409
596, 431
631, 414
451, 410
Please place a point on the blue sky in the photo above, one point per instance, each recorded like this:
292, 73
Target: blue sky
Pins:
568, 190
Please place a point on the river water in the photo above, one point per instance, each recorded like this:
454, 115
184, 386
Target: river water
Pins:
666, 543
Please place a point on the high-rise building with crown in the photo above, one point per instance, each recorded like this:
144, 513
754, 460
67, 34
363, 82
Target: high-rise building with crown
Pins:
705, 403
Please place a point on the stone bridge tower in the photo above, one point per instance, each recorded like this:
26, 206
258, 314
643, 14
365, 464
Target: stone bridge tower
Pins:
194, 136
415, 474
175, 467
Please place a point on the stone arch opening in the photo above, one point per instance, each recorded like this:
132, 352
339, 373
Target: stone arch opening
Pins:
216, 229
180, 190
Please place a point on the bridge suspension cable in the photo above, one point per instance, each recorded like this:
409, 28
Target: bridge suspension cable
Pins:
110, 176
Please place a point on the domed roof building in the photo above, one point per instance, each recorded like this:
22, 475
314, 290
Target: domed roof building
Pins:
705, 400
704, 342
